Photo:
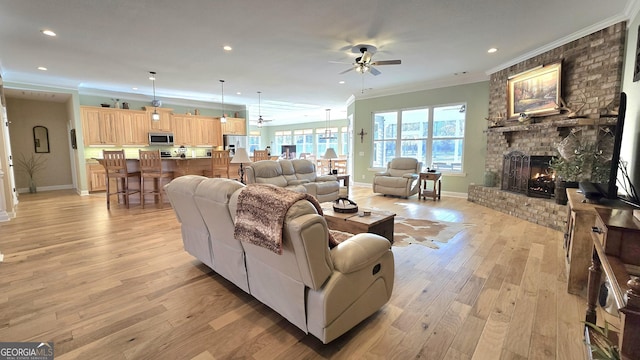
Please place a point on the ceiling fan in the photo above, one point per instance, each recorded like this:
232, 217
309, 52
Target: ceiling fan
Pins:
260, 120
364, 64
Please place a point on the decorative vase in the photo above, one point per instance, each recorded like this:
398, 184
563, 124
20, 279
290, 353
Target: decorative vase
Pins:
560, 190
32, 186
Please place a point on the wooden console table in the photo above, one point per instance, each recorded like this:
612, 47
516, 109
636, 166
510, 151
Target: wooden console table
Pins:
616, 250
425, 177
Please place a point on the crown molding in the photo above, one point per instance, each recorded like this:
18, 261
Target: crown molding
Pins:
631, 10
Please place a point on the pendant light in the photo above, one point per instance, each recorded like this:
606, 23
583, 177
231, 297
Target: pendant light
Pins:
223, 119
155, 116
327, 130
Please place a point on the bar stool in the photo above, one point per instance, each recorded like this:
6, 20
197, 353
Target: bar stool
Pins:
151, 168
219, 164
260, 155
115, 165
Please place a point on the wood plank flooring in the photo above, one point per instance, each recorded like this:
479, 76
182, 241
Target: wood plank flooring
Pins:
118, 285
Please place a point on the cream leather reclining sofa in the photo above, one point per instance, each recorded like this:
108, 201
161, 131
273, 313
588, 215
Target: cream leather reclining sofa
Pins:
322, 291
297, 175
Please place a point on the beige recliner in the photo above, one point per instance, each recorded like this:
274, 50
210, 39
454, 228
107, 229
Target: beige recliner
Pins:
322, 291
400, 178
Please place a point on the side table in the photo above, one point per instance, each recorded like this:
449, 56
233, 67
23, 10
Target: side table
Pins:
425, 177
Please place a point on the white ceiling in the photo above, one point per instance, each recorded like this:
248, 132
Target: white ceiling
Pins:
287, 49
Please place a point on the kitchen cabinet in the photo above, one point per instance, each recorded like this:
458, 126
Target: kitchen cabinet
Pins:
100, 126
207, 132
164, 124
182, 129
136, 125
234, 126
96, 177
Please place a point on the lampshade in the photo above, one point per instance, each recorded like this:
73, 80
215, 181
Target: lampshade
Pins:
240, 157
330, 154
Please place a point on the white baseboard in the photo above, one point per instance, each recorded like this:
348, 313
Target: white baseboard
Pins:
1, 257
47, 188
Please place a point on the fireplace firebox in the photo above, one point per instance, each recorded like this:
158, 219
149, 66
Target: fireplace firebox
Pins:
529, 175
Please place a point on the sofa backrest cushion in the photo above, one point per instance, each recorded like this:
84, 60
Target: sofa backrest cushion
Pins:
267, 172
304, 169
402, 165
288, 171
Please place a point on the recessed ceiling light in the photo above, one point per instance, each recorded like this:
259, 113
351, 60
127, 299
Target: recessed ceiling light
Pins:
48, 32
42, 68
492, 50
227, 48
238, 93
134, 88
341, 82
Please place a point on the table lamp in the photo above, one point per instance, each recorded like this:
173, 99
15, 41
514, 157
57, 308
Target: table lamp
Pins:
330, 154
241, 157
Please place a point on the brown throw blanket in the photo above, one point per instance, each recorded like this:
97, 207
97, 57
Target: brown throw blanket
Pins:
261, 212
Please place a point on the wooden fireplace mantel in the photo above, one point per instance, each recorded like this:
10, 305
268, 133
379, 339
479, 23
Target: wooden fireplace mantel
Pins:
515, 126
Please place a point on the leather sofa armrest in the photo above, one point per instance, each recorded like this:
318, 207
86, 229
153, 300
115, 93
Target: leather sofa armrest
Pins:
359, 251
382, 173
326, 178
410, 176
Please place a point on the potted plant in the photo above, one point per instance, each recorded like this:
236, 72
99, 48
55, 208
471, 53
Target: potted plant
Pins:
31, 166
580, 159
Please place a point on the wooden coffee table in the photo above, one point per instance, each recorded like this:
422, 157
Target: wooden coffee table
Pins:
379, 222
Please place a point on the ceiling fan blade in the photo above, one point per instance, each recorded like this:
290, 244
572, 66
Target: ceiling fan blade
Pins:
346, 71
339, 62
387, 62
374, 71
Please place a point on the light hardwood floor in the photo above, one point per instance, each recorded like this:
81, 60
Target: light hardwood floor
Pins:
118, 285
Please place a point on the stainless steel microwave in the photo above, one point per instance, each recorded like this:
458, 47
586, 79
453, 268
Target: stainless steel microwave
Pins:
160, 138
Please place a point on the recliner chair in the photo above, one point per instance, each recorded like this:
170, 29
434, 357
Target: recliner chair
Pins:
400, 178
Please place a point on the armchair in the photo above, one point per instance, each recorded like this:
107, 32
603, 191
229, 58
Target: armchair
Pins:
400, 178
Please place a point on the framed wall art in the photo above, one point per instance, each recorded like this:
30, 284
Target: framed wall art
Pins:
534, 92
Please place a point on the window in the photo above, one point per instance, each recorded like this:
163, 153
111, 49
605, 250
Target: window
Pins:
254, 141
434, 136
326, 140
345, 139
303, 140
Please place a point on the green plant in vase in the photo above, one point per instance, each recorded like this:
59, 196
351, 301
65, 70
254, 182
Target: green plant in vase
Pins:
31, 166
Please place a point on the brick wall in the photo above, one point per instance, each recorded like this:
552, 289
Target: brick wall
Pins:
591, 73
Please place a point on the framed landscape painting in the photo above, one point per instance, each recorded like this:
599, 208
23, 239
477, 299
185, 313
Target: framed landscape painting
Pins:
535, 92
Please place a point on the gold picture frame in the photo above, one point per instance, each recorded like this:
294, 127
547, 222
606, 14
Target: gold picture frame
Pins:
534, 92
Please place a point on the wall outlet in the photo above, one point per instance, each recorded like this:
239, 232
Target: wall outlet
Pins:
363, 177
361, 153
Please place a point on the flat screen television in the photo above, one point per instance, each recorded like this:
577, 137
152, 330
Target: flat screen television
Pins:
289, 151
609, 190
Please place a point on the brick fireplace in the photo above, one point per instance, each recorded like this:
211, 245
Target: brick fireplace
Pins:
591, 81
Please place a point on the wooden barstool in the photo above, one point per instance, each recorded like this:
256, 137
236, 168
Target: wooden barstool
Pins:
260, 155
115, 165
151, 168
219, 164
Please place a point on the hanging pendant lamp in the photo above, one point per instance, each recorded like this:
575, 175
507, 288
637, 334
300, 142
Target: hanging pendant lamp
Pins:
327, 130
260, 120
155, 116
223, 119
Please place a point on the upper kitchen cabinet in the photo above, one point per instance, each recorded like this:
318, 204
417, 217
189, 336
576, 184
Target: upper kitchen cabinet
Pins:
100, 126
183, 129
136, 125
234, 126
164, 124
208, 132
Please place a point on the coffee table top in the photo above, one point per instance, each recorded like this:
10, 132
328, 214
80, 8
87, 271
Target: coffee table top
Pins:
375, 217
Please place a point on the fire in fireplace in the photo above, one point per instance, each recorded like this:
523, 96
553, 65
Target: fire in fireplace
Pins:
529, 175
